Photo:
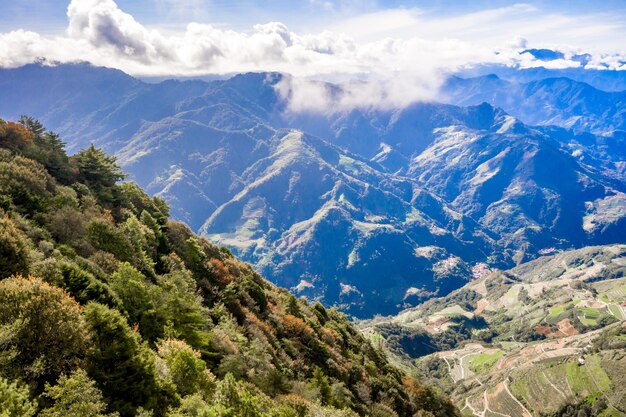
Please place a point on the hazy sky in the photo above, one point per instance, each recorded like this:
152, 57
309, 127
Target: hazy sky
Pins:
50, 16
406, 47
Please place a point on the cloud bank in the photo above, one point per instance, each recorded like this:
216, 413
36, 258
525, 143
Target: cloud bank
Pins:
391, 71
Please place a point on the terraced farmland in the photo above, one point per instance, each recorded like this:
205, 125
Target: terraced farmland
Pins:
483, 361
617, 311
547, 384
502, 403
543, 335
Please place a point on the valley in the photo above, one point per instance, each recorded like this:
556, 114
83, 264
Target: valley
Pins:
524, 342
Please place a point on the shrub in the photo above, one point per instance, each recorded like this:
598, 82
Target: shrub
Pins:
75, 395
187, 371
15, 400
44, 329
66, 224
103, 235
14, 253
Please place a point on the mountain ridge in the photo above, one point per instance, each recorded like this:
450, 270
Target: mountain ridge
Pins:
200, 145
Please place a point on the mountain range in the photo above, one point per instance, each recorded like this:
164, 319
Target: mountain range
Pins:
370, 209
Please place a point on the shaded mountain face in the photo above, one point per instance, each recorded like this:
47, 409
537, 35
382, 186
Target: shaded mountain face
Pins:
551, 101
605, 80
368, 209
332, 225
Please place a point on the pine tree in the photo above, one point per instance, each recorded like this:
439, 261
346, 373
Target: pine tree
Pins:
15, 400
120, 363
76, 396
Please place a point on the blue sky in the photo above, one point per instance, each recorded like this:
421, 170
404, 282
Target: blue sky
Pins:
49, 16
407, 45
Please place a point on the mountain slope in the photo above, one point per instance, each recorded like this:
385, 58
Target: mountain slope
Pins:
521, 185
150, 319
311, 207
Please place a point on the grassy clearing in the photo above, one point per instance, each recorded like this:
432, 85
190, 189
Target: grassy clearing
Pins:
590, 313
557, 310
589, 316
580, 380
484, 361
616, 311
601, 379
452, 311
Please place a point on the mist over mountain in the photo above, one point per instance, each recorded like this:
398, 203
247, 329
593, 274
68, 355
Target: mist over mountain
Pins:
371, 209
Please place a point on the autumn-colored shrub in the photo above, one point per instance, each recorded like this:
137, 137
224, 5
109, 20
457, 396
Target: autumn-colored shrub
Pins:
220, 273
296, 327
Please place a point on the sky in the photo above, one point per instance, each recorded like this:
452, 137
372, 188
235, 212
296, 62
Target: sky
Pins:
400, 50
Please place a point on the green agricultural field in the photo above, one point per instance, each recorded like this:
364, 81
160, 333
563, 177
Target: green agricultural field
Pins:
589, 316
616, 311
504, 404
535, 389
544, 388
484, 361
617, 293
579, 379
557, 310
599, 377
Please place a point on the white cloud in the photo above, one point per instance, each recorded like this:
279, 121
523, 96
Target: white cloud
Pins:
399, 56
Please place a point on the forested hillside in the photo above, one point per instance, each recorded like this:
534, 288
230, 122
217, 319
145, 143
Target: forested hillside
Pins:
108, 308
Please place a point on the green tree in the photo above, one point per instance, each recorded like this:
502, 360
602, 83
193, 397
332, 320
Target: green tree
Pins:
43, 331
120, 363
233, 399
14, 254
25, 186
33, 125
320, 382
137, 297
100, 172
187, 371
193, 406
83, 286
15, 400
182, 308
105, 236
47, 148
97, 169
75, 395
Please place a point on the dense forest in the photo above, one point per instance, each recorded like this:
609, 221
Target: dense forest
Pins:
109, 308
